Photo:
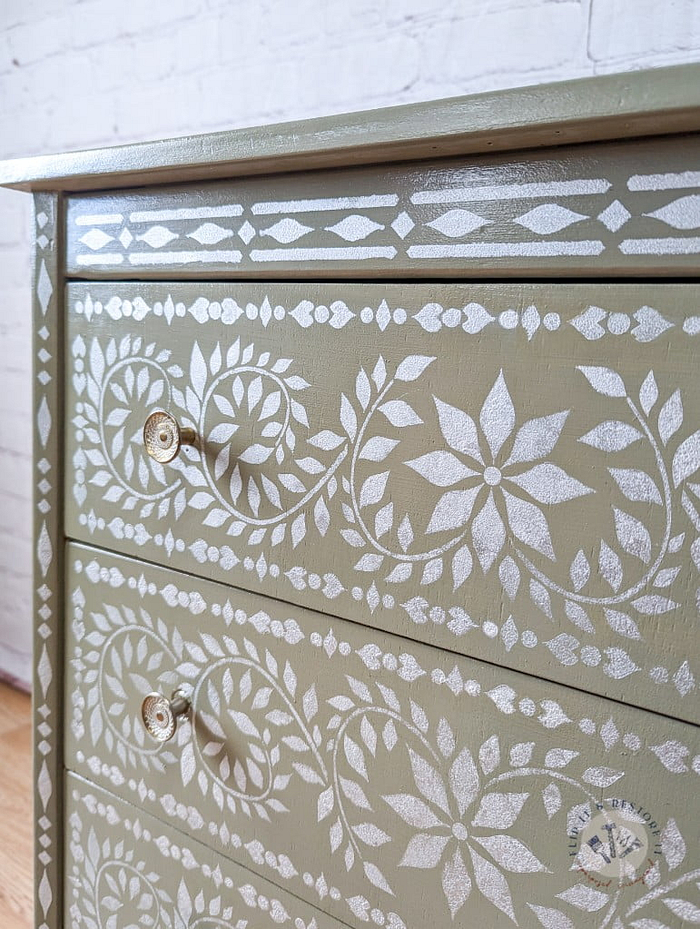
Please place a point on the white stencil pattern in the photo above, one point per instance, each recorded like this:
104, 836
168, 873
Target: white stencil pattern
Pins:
255, 729
644, 325
502, 220
111, 883
493, 483
47, 532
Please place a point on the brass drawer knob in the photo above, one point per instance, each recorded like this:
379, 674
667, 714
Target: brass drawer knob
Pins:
163, 436
160, 715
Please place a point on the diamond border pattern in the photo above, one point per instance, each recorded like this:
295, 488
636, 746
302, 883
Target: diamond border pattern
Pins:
47, 564
600, 209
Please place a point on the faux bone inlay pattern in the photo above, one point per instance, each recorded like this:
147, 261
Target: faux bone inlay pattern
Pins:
47, 564
294, 723
125, 870
432, 496
608, 210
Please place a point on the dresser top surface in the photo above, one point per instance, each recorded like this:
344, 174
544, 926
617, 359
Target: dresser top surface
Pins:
617, 106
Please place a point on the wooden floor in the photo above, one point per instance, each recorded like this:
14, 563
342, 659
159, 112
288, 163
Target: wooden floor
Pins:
15, 810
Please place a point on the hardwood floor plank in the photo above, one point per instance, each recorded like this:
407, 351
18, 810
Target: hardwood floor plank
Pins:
15, 809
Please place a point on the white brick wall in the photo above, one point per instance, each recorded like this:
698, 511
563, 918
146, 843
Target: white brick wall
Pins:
83, 73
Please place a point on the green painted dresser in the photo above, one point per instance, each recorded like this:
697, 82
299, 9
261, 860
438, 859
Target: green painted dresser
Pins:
367, 467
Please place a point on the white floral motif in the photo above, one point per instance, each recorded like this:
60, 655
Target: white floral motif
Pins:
475, 795
113, 886
231, 489
495, 481
446, 837
492, 473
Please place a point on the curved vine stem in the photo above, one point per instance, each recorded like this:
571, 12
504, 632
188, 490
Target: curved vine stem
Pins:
138, 874
108, 458
309, 495
139, 630
397, 556
249, 663
533, 772
663, 889
572, 782
640, 585
361, 711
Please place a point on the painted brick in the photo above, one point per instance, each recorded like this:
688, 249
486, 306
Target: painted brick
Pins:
549, 35
33, 41
6, 65
626, 29
17, 12
61, 78
140, 18
399, 12
243, 39
363, 16
13, 513
69, 120
95, 72
12, 227
97, 22
176, 98
195, 44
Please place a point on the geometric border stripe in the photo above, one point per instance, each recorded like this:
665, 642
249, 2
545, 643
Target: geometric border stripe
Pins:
605, 208
48, 557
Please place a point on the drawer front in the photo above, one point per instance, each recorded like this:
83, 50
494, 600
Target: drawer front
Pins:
507, 471
128, 869
372, 777
628, 208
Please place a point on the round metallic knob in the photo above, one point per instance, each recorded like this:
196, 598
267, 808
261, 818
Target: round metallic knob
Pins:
160, 715
163, 436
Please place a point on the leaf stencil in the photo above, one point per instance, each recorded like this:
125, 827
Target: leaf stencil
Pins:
452, 510
670, 416
459, 430
648, 393
441, 468
548, 483
373, 489
632, 535
378, 448
611, 436
499, 810
497, 415
511, 854
412, 367
400, 414
686, 459
537, 437
551, 918
456, 883
492, 884
604, 380
636, 485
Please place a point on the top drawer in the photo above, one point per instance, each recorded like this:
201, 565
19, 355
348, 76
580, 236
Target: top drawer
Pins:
509, 471
627, 208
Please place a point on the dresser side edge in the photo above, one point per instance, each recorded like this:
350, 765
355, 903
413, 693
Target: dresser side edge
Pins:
47, 558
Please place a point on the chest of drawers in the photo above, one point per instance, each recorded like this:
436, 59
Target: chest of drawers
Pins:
367, 519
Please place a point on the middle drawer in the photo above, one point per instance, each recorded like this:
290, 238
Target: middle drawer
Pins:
505, 471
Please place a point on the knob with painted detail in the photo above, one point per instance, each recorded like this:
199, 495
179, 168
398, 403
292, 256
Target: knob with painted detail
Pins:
163, 436
160, 715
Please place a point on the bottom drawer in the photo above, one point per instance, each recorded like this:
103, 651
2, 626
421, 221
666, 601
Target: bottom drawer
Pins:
381, 780
124, 868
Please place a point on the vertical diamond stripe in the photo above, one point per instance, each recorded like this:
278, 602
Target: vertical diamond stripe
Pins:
47, 568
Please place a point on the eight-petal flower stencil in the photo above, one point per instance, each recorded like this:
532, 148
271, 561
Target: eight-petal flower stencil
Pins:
489, 467
453, 830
